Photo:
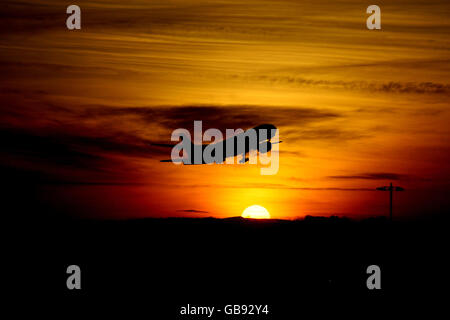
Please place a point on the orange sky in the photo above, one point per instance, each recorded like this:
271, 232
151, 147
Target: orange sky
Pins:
356, 109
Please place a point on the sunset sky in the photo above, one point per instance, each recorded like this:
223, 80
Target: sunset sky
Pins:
356, 108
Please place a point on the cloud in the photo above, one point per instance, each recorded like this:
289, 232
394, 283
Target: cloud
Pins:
72, 156
215, 116
158, 122
192, 211
385, 87
73, 147
371, 176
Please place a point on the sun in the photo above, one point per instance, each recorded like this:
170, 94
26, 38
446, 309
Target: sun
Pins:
256, 212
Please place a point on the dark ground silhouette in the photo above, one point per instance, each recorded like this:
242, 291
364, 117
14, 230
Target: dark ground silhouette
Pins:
162, 264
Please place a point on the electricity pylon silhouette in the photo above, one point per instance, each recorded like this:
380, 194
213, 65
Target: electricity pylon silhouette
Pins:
391, 190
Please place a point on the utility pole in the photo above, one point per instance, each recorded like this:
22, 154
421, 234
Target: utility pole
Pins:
391, 190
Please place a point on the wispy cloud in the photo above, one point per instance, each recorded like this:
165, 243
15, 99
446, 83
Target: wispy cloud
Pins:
216, 116
372, 176
366, 86
192, 211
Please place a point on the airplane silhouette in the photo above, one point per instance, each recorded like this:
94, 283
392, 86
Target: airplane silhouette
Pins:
263, 145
